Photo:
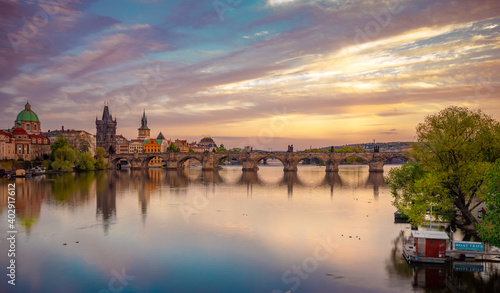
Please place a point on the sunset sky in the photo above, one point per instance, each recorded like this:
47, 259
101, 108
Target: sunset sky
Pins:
262, 73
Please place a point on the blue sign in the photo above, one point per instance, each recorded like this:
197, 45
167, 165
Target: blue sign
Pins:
469, 246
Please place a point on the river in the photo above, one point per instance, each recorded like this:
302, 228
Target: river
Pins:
226, 231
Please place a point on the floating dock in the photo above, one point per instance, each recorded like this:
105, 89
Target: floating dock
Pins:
430, 247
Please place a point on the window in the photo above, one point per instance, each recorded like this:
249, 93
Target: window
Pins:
34, 127
27, 126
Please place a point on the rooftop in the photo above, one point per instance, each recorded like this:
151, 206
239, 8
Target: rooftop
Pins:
429, 234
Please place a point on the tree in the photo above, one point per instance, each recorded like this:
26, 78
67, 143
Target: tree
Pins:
100, 153
85, 161
489, 230
221, 150
172, 148
64, 158
454, 150
83, 144
60, 142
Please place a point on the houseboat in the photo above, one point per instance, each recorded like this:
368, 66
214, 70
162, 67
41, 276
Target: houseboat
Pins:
38, 170
425, 246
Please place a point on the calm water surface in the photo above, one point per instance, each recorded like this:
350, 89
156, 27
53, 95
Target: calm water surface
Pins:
226, 231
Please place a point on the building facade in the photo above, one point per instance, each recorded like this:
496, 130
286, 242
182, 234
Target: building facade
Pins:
153, 146
122, 145
79, 139
106, 132
24, 141
136, 146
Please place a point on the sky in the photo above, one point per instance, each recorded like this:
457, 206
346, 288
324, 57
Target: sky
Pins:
263, 73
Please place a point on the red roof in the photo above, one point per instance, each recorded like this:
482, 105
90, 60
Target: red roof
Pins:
19, 130
5, 133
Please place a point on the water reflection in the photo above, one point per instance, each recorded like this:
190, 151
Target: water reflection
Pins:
29, 198
77, 189
245, 230
376, 180
106, 199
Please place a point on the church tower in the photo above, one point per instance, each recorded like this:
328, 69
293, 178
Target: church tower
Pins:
106, 131
144, 131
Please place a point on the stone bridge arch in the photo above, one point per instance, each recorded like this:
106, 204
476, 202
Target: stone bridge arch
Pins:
222, 156
184, 157
331, 163
265, 156
144, 160
114, 161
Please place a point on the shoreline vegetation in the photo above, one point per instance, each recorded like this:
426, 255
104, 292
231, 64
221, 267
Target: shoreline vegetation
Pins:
456, 171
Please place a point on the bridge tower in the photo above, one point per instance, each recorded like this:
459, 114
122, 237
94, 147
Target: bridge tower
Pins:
106, 131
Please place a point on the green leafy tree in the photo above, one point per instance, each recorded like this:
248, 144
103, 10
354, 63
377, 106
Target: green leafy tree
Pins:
60, 142
64, 158
221, 150
85, 161
454, 150
172, 148
83, 145
489, 229
100, 153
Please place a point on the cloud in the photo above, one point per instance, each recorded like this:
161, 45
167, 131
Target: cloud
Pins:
218, 76
390, 132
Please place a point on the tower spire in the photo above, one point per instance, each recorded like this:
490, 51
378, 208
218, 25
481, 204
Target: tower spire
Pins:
144, 120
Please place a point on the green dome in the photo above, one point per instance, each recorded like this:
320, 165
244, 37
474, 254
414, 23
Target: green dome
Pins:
27, 114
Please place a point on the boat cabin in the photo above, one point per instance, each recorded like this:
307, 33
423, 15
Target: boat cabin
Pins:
426, 246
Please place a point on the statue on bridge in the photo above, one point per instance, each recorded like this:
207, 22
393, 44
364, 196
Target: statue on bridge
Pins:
290, 148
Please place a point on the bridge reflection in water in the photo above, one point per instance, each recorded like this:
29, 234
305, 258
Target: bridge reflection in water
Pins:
180, 179
77, 189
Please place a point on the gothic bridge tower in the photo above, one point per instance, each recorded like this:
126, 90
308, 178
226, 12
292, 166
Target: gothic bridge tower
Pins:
106, 131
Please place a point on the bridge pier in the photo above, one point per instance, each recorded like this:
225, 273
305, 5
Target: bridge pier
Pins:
248, 165
376, 166
290, 165
136, 163
332, 166
171, 165
209, 163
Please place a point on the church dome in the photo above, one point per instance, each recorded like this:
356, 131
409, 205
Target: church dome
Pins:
27, 114
207, 142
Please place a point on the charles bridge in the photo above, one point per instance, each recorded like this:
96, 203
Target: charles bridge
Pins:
249, 160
